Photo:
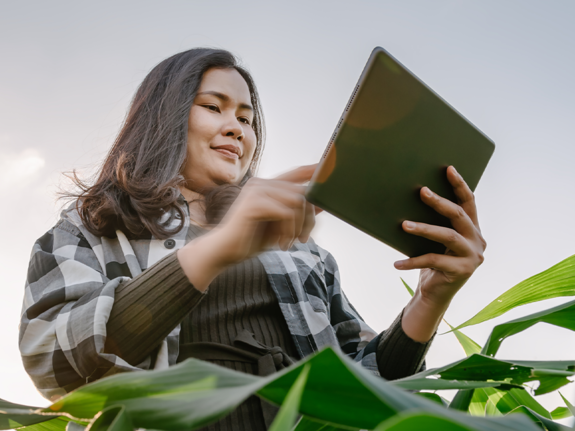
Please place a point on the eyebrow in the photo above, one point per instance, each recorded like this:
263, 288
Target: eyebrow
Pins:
225, 98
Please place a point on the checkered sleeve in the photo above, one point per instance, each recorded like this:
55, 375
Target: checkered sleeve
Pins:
355, 337
66, 305
390, 354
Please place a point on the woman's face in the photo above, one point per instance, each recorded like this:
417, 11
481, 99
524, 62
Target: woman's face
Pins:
221, 141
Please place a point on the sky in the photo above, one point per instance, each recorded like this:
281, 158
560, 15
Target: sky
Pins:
69, 69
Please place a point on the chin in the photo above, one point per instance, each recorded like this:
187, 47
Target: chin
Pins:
231, 178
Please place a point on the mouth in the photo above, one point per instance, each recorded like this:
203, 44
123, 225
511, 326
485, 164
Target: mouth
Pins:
229, 151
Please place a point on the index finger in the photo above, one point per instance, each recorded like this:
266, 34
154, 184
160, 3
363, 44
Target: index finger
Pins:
298, 175
464, 194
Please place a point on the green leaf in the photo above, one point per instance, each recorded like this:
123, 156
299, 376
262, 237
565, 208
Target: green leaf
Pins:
307, 424
568, 404
462, 400
287, 415
563, 315
469, 346
561, 413
507, 401
417, 420
478, 403
409, 289
557, 281
546, 423
434, 397
18, 415
113, 418
468, 373
551, 384
185, 396
194, 393
491, 409
421, 421
59, 423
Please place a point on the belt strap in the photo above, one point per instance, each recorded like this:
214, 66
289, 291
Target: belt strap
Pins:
245, 349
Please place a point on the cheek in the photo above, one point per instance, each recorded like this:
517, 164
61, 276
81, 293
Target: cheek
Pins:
201, 128
250, 145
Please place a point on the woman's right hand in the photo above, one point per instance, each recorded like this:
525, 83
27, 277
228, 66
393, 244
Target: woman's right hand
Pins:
265, 214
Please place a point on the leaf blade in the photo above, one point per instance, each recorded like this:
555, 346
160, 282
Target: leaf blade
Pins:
287, 415
557, 281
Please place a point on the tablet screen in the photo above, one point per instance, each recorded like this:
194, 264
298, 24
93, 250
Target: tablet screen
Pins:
395, 136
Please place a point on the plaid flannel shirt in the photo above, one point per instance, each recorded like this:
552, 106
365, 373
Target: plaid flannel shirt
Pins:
70, 288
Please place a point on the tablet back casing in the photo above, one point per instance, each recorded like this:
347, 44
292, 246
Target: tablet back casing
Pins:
394, 137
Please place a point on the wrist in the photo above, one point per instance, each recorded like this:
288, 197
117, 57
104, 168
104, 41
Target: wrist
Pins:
421, 317
203, 259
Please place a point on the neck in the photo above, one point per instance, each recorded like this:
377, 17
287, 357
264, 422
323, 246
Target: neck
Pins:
194, 199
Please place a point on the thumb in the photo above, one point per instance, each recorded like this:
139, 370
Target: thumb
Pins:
298, 175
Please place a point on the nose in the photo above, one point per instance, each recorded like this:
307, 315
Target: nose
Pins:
233, 129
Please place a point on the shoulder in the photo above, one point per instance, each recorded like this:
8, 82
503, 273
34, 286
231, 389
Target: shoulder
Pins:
68, 231
70, 222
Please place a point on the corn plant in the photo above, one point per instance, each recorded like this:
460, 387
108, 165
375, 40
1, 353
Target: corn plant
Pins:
329, 392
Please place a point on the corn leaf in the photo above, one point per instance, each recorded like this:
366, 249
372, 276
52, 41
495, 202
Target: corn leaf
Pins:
478, 403
469, 346
507, 401
491, 409
59, 423
563, 316
113, 418
434, 397
409, 289
417, 420
557, 281
544, 422
194, 393
561, 413
307, 424
421, 421
18, 415
462, 400
287, 415
570, 406
483, 368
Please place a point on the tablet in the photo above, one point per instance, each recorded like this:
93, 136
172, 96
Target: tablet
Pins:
395, 136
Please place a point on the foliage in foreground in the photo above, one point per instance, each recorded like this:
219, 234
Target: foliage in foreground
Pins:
334, 393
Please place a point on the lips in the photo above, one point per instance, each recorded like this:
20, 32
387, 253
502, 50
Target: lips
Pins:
230, 151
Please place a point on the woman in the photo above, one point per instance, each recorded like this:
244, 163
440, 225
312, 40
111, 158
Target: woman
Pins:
176, 251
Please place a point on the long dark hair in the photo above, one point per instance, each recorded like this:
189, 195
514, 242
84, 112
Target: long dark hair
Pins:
140, 176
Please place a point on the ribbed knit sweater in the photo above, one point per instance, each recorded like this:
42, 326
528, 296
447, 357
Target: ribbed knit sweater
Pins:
239, 298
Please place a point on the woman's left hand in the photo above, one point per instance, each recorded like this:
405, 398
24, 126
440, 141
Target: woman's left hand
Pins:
442, 275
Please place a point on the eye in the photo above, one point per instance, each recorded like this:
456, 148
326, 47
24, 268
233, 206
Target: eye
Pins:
244, 120
213, 108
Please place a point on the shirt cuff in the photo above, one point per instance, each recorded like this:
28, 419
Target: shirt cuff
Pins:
398, 355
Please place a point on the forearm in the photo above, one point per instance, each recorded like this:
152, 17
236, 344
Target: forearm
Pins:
421, 317
147, 308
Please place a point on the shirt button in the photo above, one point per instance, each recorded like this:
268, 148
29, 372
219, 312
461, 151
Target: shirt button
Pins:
169, 243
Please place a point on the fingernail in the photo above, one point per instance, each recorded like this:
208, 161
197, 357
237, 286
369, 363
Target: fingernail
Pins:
399, 264
427, 192
409, 225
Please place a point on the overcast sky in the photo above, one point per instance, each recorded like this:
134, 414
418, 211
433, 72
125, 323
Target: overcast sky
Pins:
69, 69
